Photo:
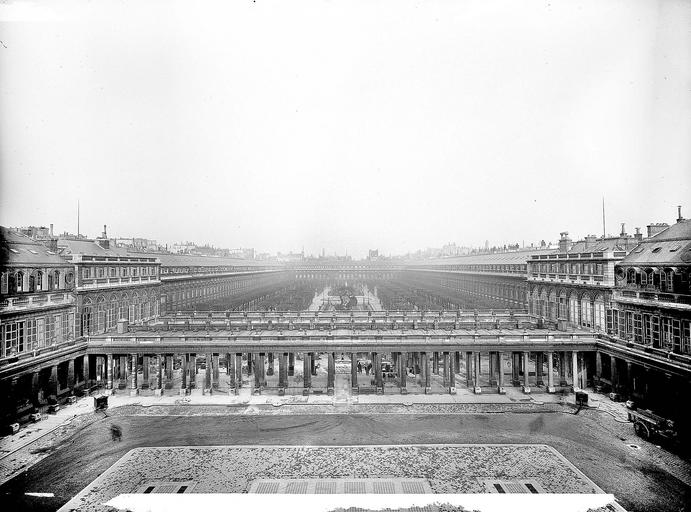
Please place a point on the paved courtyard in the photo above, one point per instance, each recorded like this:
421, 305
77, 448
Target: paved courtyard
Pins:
447, 469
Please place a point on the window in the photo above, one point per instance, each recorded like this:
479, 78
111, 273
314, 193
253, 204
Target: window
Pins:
124, 272
86, 272
66, 334
70, 326
134, 271
20, 281
100, 272
31, 334
56, 280
41, 332
112, 272
57, 329
10, 341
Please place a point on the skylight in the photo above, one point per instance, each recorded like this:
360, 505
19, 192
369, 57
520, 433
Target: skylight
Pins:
14, 250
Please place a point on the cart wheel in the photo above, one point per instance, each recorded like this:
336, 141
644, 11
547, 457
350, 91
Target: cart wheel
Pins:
641, 430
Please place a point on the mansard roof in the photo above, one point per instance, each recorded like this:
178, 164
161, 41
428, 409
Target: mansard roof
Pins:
20, 250
671, 247
498, 258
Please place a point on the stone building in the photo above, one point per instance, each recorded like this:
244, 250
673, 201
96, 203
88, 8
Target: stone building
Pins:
573, 284
111, 284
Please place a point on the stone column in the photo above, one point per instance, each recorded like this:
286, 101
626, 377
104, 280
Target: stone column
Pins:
476, 381
330, 375
123, 370
282, 373
492, 369
270, 370
291, 364
574, 370
85, 371
613, 375
230, 365
169, 368
515, 369
159, 380
216, 372
539, 362
452, 373
257, 375
313, 363
250, 363
469, 379
53, 381
584, 371
500, 373
109, 371
238, 370
184, 363
207, 372
457, 361
435, 363
629, 379
598, 367
193, 371
426, 372
353, 373
526, 373
550, 372
133, 375
378, 381
145, 372
403, 372
306, 373
445, 374
562, 369
70, 375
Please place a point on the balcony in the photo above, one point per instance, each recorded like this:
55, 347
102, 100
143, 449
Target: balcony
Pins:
36, 301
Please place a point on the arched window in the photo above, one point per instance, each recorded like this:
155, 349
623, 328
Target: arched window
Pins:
574, 318
87, 317
32, 283
39, 280
101, 317
56, 280
599, 313
110, 313
19, 277
586, 311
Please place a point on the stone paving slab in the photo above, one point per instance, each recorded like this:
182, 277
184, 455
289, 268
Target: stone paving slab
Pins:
448, 469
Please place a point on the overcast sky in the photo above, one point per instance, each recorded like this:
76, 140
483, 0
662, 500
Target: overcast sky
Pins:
345, 125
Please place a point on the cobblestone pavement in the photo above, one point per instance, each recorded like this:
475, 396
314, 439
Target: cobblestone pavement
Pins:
448, 469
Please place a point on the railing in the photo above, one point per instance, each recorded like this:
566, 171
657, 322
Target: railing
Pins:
13, 303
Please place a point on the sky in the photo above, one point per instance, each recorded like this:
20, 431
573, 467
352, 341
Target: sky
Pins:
345, 126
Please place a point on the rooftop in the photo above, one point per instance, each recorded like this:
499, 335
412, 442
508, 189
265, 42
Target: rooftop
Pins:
17, 249
670, 247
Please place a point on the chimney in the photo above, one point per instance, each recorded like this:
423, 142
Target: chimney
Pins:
679, 217
590, 241
658, 227
638, 236
564, 242
51, 229
623, 229
104, 235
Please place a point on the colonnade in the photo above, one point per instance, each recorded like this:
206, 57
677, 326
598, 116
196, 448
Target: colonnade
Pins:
425, 371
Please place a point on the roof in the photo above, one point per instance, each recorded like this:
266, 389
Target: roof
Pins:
20, 250
600, 245
670, 247
497, 258
87, 247
188, 260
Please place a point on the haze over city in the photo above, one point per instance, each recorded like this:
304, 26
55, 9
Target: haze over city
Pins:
345, 127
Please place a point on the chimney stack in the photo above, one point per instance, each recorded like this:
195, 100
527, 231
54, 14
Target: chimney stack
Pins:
658, 227
590, 241
51, 229
564, 242
623, 229
679, 217
638, 236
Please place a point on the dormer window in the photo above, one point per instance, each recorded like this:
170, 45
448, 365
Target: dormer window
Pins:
656, 250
